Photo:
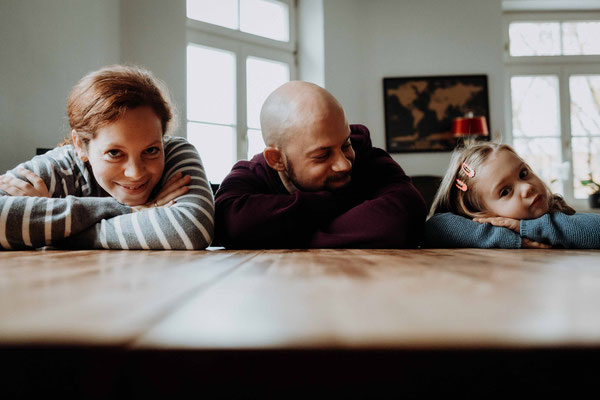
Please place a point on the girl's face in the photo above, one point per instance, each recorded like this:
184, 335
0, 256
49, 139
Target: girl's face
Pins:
508, 188
127, 156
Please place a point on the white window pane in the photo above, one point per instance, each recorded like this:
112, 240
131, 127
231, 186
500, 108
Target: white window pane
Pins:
211, 85
535, 106
586, 164
256, 143
263, 76
534, 38
218, 12
585, 104
267, 18
544, 157
581, 38
216, 145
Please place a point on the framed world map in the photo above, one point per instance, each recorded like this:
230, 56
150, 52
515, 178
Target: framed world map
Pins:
419, 110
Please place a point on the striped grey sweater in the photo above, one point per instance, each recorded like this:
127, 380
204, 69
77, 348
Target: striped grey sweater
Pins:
80, 214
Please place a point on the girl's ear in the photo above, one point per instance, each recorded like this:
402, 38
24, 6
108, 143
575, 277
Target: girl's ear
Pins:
274, 158
79, 147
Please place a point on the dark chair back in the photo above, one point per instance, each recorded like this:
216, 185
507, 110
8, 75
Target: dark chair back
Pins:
428, 186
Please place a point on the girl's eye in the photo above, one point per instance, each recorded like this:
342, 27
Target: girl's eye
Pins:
524, 172
504, 192
114, 153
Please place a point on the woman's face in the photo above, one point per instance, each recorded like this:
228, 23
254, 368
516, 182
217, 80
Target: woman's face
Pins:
127, 156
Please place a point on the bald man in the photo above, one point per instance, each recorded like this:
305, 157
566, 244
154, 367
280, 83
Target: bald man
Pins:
319, 183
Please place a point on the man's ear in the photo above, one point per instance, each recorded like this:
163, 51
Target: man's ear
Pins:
274, 158
79, 148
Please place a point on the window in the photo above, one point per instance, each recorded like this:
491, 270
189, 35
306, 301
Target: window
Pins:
553, 65
238, 52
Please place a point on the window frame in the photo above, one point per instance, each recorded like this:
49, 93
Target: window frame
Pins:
243, 45
561, 66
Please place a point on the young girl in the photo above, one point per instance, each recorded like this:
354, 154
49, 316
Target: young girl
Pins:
489, 197
118, 182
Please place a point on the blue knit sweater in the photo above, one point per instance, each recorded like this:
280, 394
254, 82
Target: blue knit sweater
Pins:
578, 231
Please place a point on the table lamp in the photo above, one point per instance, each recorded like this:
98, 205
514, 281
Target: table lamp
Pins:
469, 125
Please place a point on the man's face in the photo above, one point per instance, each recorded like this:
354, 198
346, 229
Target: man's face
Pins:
319, 156
508, 188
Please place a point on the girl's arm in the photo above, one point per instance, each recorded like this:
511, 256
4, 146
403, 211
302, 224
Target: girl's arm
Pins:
581, 231
56, 213
188, 224
447, 230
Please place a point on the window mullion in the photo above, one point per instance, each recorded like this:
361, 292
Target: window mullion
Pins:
565, 131
241, 98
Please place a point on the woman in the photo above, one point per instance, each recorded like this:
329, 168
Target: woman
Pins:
118, 182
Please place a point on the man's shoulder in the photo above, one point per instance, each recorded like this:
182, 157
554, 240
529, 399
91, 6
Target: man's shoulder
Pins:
361, 137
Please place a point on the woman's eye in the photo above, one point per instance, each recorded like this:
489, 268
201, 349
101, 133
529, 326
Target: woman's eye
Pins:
114, 153
153, 151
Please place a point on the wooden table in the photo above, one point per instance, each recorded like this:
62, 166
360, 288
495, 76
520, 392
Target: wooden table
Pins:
359, 321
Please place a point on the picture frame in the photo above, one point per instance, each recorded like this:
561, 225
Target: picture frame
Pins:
419, 110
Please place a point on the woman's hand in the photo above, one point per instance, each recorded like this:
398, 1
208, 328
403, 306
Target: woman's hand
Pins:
510, 223
36, 187
176, 186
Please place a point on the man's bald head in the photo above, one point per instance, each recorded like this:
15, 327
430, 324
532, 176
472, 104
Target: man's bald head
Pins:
294, 105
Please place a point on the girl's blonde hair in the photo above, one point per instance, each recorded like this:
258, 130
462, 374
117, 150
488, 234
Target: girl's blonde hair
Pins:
450, 198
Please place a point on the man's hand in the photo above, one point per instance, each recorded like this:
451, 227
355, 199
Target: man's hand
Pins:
176, 186
36, 187
510, 223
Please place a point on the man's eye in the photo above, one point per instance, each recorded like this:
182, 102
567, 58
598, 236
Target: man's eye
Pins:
346, 146
322, 156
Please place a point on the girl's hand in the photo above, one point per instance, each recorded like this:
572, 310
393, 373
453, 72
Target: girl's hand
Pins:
176, 186
530, 244
510, 223
36, 187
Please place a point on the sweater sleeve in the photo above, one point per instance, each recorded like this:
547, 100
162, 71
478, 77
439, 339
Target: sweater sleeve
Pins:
29, 222
580, 231
448, 230
188, 224
390, 212
248, 216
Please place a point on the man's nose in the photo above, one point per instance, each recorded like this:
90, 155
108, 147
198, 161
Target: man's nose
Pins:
341, 163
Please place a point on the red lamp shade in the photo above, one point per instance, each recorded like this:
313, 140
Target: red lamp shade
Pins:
467, 126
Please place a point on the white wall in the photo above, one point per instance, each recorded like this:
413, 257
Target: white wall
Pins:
45, 48
153, 36
367, 40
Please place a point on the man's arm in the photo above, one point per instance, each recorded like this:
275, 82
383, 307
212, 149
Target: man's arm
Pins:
390, 212
248, 216
186, 225
580, 231
448, 230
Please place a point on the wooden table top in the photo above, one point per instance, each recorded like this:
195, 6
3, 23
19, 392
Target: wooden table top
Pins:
269, 299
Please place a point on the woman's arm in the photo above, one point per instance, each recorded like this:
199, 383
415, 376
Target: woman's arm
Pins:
188, 224
27, 221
